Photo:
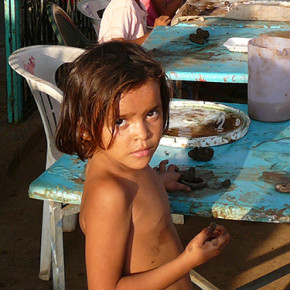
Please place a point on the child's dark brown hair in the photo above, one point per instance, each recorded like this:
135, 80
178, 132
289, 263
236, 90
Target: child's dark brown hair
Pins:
95, 83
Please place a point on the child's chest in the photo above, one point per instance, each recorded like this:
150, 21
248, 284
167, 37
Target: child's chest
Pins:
153, 238
151, 209
151, 199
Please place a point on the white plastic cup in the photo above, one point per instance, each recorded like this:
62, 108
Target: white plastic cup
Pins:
269, 79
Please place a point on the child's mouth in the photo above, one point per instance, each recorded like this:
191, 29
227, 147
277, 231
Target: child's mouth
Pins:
142, 152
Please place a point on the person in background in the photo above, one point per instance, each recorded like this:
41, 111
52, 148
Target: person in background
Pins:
126, 20
155, 8
114, 112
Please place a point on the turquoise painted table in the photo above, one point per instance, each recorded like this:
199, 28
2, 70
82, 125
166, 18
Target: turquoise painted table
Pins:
254, 164
211, 62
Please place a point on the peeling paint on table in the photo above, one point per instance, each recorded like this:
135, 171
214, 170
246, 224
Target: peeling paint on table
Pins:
254, 164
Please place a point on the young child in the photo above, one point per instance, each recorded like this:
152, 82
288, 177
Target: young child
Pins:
114, 112
126, 21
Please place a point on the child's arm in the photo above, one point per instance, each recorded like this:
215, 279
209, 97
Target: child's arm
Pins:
203, 247
106, 219
160, 21
164, 7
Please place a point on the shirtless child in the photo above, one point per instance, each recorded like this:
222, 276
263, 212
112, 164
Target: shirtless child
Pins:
114, 112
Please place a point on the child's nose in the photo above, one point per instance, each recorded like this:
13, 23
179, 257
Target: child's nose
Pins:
142, 131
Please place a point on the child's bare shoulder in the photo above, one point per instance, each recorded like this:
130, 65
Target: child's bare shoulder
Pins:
110, 195
108, 190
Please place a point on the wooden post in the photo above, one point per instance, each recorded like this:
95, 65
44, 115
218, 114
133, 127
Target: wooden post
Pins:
13, 42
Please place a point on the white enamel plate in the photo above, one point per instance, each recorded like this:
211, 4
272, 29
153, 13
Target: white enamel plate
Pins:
203, 124
237, 44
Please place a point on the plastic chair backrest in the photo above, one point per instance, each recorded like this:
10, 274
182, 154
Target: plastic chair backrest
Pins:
93, 10
66, 31
38, 65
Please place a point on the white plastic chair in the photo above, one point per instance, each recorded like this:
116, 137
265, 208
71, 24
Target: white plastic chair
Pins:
38, 65
93, 10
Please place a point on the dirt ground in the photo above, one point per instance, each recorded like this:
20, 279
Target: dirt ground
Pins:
256, 252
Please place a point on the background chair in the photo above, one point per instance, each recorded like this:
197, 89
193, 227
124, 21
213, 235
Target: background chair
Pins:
66, 31
93, 10
38, 65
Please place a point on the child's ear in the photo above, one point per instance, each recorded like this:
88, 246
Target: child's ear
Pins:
82, 131
86, 137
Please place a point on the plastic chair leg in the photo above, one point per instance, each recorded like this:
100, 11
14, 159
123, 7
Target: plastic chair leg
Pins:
57, 245
45, 248
69, 225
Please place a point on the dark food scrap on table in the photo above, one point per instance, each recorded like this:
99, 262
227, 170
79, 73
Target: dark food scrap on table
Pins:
226, 183
188, 178
200, 36
201, 153
204, 178
283, 187
202, 33
196, 39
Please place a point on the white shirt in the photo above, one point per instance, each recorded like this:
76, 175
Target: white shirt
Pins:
123, 19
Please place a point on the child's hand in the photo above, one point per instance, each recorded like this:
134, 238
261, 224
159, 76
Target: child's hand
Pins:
207, 244
170, 177
162, 20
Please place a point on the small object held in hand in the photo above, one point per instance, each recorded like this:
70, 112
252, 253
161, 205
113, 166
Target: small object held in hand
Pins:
211, 231
212, 226
196, 39
226, 183
201, 153
283, 187
202, 33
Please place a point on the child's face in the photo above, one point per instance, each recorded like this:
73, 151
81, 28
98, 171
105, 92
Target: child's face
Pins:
138, 129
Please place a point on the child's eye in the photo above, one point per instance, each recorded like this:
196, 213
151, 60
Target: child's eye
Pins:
152, 114
121, 122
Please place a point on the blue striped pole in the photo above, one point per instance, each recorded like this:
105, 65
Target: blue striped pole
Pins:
13, 42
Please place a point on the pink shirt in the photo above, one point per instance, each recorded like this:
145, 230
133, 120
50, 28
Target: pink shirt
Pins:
123, 19
152, 13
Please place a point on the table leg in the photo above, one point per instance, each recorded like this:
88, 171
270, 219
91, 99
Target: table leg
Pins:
57, 245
